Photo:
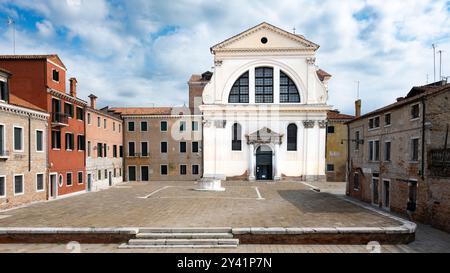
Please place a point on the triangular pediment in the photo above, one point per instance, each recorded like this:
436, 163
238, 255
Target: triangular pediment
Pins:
265, 37
264, 135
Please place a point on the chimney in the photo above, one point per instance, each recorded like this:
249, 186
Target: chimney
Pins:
357, 108
93, 101
73, 87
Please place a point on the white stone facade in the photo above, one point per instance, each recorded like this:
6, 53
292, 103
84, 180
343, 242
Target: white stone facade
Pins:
265, 124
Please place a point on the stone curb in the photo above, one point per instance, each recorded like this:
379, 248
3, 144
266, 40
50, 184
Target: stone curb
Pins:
69, 230
322, 230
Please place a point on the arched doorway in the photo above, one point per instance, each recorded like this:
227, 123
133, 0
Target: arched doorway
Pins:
264, 164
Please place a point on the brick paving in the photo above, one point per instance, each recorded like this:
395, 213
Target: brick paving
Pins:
284, 204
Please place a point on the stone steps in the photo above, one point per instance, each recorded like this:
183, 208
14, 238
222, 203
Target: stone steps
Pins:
182, 238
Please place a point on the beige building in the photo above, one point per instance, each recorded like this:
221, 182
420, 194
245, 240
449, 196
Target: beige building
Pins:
104, 147
400, 158
23, 149
161, 143
337, 145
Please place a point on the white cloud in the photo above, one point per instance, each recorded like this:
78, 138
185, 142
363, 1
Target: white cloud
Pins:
125, 54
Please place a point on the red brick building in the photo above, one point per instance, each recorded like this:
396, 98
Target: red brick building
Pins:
41, 80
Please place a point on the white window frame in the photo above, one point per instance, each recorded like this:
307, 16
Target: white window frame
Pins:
88, 149
186, 147
128, 148
5, 81
4, 185
167, 126
411, 149
186, 169
14, 184
99, 122
71, 176
128, 126
194, 121
135, 173
167, 147
140, 173
43, 182
384, 119
198, 147
148, 149
73, 109
160, 169
140, 126
82, 176
76, 112
374, 128
390, 151
410, 108
4, 137
185, 126
65, 142
14, 139
357, 145
89, 118
373, 158
105, 124
59, 79
192, 168
43, 140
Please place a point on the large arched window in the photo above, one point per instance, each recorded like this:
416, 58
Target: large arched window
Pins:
236, 141
239, 91
288, 90
264, 85
292, 137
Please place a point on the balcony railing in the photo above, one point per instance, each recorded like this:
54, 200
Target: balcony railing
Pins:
439, 164
60, 119
440, 158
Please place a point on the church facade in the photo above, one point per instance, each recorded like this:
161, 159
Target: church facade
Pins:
265, 108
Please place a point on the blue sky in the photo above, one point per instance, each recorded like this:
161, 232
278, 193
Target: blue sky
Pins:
141, 53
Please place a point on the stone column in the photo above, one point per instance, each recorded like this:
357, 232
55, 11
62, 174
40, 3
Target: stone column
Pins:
277, 162
251, 170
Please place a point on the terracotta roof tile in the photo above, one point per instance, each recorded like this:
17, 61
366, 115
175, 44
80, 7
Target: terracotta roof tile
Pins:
142, 110
32, 57
336, 115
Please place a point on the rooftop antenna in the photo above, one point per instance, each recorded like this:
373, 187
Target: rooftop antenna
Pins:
440, 64
293, 30
12, 23
434, 61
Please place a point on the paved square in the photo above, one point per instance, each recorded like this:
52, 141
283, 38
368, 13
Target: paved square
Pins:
175, 204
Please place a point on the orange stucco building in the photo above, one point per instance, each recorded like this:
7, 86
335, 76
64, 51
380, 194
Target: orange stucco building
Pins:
40, 80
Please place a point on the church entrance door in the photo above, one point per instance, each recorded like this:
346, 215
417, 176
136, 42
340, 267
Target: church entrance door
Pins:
264, 163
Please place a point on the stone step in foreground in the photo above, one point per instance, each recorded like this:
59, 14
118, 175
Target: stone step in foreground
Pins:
187, 230
184, 235
182, 238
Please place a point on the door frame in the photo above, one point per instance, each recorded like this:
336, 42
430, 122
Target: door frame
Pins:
56, 186
372, 191
383, 191
271, 169
89, 179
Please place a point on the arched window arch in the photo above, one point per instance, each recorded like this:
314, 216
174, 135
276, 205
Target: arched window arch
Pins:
288, 90
264, 85
239, 91
236, 139
292, 137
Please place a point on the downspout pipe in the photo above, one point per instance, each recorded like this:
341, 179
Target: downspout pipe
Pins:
422, 171
29, 143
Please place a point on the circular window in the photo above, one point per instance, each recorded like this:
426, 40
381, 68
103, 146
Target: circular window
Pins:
60, 180
264, 40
